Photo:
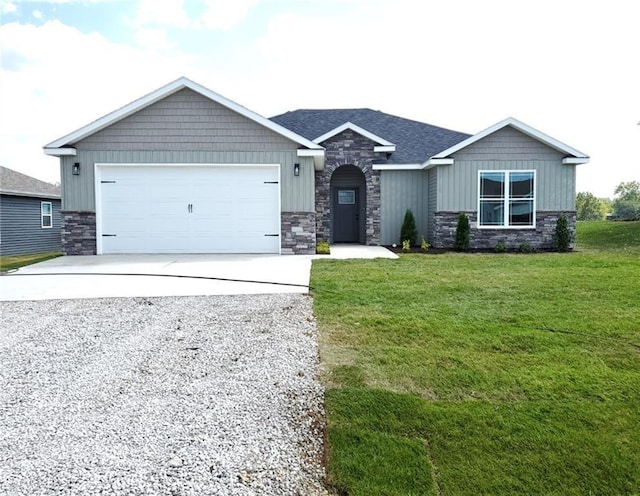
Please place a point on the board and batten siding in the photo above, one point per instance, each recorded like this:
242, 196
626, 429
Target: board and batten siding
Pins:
399, 191
506, 149
432, 201
21, 231
187, 128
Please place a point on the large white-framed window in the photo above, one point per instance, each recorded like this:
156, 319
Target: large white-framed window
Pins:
46, 215
507, 199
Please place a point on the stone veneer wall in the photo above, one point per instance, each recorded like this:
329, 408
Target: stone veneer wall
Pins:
78, 233
540, 238
298, 233
348, 148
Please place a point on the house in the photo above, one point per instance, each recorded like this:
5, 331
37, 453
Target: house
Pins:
29, 215
185, 170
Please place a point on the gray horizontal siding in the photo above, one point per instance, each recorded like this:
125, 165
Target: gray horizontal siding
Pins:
297, 193
20, 226
399, 191
186, 121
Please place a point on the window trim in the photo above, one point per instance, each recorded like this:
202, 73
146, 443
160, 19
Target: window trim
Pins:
507, 198
43, 215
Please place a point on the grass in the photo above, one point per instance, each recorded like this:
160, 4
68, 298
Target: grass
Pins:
17, 261
474, 374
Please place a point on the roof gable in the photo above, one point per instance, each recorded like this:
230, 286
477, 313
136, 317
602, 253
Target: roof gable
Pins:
62, 145
573, 156
415, 142
15, 183
384, 145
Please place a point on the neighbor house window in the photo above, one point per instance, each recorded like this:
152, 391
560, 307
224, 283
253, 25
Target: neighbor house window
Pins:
506, 199
46, 215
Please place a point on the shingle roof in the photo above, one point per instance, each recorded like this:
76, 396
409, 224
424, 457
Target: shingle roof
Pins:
14, 182
415, 141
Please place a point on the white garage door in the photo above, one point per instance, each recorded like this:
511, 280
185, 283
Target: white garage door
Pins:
188, 209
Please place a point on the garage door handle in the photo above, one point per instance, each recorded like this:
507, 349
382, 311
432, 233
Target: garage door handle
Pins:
190, 208
109, 235
276, 235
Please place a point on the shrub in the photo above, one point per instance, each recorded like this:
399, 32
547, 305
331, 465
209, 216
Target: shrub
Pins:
424, 246
408, 230
322, 248
463, 231
406, 246
500, 247
525, 247
562, 236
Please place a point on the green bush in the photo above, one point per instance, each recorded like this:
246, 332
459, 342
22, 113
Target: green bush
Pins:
562, 236
408, 230
463, 232
525, 247
406, 246
322, 248
500, 247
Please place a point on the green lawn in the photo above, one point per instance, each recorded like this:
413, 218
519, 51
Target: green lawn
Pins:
17, 261
485, 373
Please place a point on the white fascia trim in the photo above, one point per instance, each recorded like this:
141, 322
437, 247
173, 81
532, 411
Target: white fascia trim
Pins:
520, 126
575, 160
356, 129
165, 91
58, 152
432, 162
397, 167
384, 148
318, 157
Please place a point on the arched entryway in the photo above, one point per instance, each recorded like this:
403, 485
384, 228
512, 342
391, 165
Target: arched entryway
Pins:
348, 205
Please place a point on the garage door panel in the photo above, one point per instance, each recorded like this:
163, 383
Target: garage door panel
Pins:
184, 209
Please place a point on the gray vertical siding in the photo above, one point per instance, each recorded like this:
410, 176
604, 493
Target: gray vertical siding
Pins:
297, 193
20, 226
507, 149
432, 202
399, 191
187, 127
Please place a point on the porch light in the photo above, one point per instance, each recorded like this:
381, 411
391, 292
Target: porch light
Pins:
76, 169
296, 169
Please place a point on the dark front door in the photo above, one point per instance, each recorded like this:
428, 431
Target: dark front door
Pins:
346, 215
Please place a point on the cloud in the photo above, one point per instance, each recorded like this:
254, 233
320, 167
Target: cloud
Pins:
162, 13
9, 7
37, 14
223, 14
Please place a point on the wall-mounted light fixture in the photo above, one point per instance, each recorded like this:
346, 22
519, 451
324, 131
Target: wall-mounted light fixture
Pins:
76, 169
296, 169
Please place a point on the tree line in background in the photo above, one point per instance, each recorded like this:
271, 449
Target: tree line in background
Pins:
625, 204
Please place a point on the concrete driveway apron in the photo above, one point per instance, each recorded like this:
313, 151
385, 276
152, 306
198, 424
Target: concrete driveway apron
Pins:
104, 276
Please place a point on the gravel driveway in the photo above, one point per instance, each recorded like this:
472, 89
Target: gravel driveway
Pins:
162, 396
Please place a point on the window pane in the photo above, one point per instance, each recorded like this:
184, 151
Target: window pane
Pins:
46, 208
521, 213
46, 221
491, 213
521, 185
346, 197
491, 184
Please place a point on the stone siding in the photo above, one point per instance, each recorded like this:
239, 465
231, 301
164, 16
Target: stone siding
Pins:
349, 148
540, 237
298, 233
78, 233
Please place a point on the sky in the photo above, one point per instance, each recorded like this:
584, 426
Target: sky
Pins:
570, 69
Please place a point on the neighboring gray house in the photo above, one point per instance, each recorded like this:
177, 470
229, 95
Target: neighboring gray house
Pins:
29, 215
185, 170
